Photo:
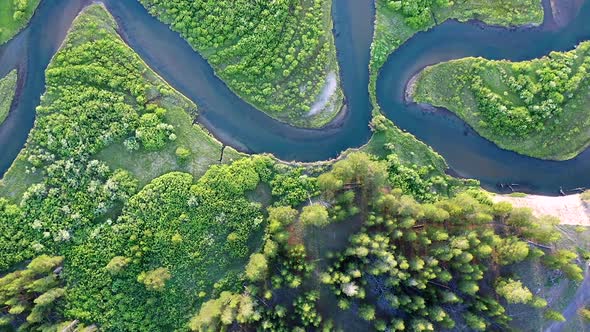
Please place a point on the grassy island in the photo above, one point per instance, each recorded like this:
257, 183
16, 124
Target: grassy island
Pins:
537, 108
277, 55
7, 90
14, 15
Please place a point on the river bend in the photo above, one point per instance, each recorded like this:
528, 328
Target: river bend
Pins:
237, 123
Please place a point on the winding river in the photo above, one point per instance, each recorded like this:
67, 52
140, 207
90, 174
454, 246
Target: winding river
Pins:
236, 123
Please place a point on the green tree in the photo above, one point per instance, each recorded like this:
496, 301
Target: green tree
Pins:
584, 313
155, 279
367, 312
513, 291
329, 184
32, 296
554, 316
563, 260
511, 250
257, 268
182, 153
315, 214
117, 264
475, 322
223, 311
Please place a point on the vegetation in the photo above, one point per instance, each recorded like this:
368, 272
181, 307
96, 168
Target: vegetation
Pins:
7, 91
276, 55
91, 240
553, 315
315, 214
94, 72
100, 95
14, 15
410, 265
31, 294
178, 239
536, 107
413, 166
398, 20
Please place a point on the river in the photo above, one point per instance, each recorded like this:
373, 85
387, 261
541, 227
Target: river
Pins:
237, 123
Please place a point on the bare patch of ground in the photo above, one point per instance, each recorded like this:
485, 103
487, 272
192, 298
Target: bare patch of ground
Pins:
571, 210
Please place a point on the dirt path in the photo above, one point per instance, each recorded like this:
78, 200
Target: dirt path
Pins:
571, 210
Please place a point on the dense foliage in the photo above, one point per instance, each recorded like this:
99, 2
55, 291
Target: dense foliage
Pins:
376, 241
292, 187
27, 294
524, 106
422, 14
418, 14
99, 93
7, 91
14, 15
172, 242
33, 296
276, 55
96, 94
408, 266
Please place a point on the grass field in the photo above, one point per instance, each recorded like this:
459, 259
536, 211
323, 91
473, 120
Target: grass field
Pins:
7, 90
145, 165
11, 24
388, 139
497, 12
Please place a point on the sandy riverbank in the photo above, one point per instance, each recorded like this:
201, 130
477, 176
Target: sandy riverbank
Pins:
571, 210
411, 87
